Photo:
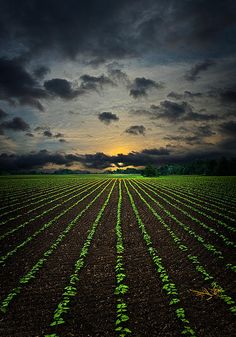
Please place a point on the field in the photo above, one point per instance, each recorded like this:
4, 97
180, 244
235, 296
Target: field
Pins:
98, 255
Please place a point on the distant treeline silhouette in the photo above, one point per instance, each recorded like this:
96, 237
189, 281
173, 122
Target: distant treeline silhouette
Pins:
214, 167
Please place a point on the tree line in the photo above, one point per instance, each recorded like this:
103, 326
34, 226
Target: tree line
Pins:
214, 167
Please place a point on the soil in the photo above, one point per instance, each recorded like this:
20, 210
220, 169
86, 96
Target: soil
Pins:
93, 310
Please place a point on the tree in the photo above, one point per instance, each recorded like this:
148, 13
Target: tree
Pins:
149, 171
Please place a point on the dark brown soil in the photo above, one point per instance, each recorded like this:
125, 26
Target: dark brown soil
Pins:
149, 310
17, 265
93, 310
32, 311
196, 247
17, 237
219, 320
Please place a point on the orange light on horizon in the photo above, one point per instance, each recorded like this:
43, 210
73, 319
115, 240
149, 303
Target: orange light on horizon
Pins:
124, 149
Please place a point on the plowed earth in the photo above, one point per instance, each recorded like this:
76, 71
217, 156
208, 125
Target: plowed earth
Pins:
92, 310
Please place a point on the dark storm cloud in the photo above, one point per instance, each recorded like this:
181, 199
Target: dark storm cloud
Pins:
228, 144
136, 130
228, 96
101, 160
193, 73
101, 30
95, 83
116, 74
198, 117
228, 128
228, 131
3, 114
177, 112
204, 131
98, 160
186, 95
171, 110
41, 71
15, 124
18, 86
59, 135
175, 95
108, 117
47, 133
41, 128
62, 88
119, 76
196, 136
156, 152
141, 86
29, 134
32, 160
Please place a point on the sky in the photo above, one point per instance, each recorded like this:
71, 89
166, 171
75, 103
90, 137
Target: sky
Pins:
97, 85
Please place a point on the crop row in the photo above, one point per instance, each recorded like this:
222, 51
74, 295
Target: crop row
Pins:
31, 274
26, 196
48, 210
202, 197
195, 202
70, 291
208, 246
167, 284
222, 191
46, 225
192, 258
208, 204
187, 203
210, 229
49, 196
121, 288
24, 199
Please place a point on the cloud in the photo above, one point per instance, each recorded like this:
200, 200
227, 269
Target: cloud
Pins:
93, 83
136, 130
177, 112
196, 136
192, 74
105, 30
156, 152
175, 95
98, 160
108, 117
47, 133
186, 95
170, 110
117, 75
29, 134
62, 88
228, 96
59, 135
41, 71
18, 86
228, 131
198, 117
3, 114
141, 86
15, 124
228, 128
